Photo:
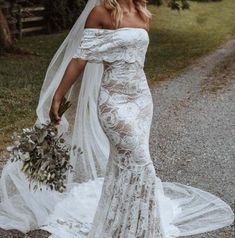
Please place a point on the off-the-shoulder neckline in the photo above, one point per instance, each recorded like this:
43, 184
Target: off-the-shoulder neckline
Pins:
118, 29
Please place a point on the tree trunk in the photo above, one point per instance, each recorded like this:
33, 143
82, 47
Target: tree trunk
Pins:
5, 34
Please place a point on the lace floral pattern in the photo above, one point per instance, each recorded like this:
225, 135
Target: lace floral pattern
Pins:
125, 112
128, 206
99, 45
130, 201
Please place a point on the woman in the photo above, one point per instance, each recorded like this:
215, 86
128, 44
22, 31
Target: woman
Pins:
112, 124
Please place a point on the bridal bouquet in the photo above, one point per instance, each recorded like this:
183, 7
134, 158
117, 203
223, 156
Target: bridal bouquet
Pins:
43, 153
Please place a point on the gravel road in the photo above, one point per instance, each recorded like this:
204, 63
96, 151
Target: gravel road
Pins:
193, 131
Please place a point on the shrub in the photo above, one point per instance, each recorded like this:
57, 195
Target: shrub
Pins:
61, 14
207, 0
178, 4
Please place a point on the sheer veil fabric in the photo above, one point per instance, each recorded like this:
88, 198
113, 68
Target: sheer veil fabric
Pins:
24, 210
183, 210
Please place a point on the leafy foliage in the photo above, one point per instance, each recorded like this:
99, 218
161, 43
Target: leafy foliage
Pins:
178, 4
61, 14
207, 0
173, 4
43, 154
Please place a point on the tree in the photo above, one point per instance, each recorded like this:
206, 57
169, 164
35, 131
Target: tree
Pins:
178, 4
6, 41
62, 14
173, 4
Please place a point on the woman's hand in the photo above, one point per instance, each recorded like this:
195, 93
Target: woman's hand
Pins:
73, 70
54, 111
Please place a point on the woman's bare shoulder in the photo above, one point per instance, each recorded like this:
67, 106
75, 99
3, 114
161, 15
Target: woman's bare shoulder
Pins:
96, 17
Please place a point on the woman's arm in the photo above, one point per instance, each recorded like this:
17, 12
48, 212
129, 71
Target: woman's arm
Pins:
76, 65
72, 72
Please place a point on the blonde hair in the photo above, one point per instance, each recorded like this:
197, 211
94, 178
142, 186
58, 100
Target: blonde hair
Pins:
117, 13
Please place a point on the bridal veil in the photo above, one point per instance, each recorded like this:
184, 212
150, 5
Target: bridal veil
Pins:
24, 210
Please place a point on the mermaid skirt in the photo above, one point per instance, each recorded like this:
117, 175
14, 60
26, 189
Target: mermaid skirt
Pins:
131, 201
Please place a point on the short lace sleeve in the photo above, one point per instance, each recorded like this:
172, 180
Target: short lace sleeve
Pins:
107, 45
94, 44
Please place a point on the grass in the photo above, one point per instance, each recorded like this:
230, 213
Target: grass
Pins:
176, 41
178, 38
221, 78
21, 77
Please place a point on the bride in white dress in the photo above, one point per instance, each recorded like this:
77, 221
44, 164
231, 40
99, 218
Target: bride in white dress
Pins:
115, 192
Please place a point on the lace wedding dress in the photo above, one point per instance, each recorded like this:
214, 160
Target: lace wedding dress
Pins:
130, 201
115, 192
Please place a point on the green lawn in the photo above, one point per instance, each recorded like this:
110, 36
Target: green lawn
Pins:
176, 40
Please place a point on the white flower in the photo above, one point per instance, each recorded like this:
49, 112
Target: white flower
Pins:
25, 130
16, 143
24, 156
9, 148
